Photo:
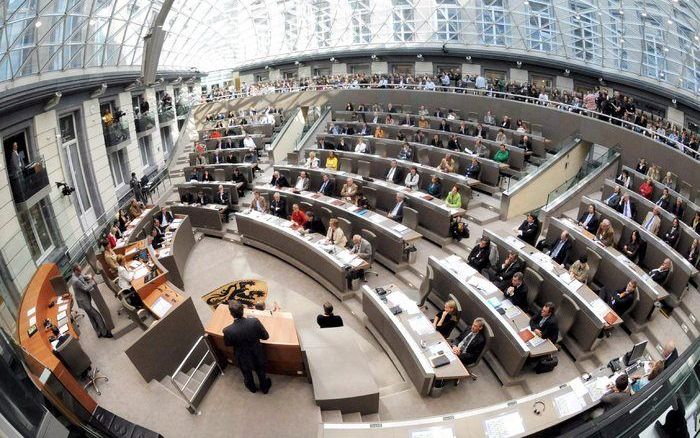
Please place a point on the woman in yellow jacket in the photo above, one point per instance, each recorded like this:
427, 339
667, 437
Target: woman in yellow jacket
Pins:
332, 161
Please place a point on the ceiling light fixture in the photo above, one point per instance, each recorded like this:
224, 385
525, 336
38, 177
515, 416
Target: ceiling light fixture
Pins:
37, 24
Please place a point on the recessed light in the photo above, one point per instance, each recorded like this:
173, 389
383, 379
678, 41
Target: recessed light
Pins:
670, 21
644, 14
37, 24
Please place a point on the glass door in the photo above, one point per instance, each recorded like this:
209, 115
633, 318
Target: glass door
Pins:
76, 167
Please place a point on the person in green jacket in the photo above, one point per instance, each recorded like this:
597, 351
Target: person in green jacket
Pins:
454, 199
502, 154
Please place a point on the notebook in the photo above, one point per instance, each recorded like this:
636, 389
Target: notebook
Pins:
526, 335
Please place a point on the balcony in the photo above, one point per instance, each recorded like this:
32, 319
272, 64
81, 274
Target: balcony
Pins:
182, 108
115, 132
144, 121
30, 181
166, 114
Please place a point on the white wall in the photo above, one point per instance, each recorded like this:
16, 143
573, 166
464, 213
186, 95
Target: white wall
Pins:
98, 154
471, 69
564, 83
675, 116
339, 68
423, 68
380, 67
518, 75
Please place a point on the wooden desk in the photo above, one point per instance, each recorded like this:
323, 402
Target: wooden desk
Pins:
281, 349
434, 216
405, 342
392, 237
590, 320
38, 352
138, 228
173, 254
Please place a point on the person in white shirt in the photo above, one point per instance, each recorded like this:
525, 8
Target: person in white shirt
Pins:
429, 85
412, 178
480, 82
361, 147
303, 181
248, 142
489, 119
312, 161
124, 276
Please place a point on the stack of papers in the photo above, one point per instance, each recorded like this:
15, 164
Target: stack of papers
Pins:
504, 426
569, 404
574, 286
421, 325
599, 307
161, 307
566, 278
376, 218
400, 228
534, 342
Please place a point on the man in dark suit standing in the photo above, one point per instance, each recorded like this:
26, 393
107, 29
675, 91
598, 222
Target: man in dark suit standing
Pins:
469, 344
85, 290
327, 186
545, 324
244, 335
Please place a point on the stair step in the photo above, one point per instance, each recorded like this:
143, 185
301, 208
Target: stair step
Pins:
332, 416
482, 215
457, 249
371, 418
352, 417
410, 278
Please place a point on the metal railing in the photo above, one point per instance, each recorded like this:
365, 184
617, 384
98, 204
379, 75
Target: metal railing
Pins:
208, 353
116, 132
29, 180
166, 114
580, 110
144, 121
182, 108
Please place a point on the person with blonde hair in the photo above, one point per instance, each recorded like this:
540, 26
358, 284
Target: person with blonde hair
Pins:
446, 319
335, 234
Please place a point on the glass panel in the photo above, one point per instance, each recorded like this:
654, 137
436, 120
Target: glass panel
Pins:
78, 177
40, 228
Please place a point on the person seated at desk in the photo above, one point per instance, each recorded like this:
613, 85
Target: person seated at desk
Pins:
363, 249
502, 275
446, 319
545, 325
412, 178
528, 229
135, 209
559, 250
341, 146
613, 201
379, 132
400, 136
642, 166
405, 153
525, 143
589, 219
479, 255
640, 382
278, 206
695, 223
423, 123
278, 180
435, 187
646, 189
459, 228
617, 393
474, 169
470, 343
361, 147
419, 137
678, 208
303, 182
216, 158
363, 201
157, 224
664, 200
248, 142
335, 234
624, 179
463, 129
620, 301
502, 154
396, 213
201, 198
627, 207
632, 248
364, 131
238, 178
110, 259
155, 238
298, 217
444, 126
321, 143
165, 217
222, 198
579, 269
479, 131
121, 220
673, 234
258, 203
454, 199
660, 274
312, 162
334, 130
200, 160
605, 233
331, 161
501, 136
111, 238
447, 164
693, 252
516, 291
313, 224
328, 319
393, 175
327, 186
654, 172
652, 221
453, 143
124, 278
349, 191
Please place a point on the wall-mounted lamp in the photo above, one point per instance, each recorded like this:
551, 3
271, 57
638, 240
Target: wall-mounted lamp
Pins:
297, 62
53, 101
333, 59
468, 58
567, 72
374, 57
519, 64
99, 92
419, 56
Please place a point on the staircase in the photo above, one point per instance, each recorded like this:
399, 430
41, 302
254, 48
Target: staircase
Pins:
336, 417
202, 369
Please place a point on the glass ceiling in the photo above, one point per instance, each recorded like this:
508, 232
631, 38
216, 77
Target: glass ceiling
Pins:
642, 38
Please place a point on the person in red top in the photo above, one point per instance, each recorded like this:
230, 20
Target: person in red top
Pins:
299, 218
215, 134
646, 188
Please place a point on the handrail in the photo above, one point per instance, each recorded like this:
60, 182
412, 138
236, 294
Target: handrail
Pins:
284, 129
182, 364
669, 142
302, 141
208, 353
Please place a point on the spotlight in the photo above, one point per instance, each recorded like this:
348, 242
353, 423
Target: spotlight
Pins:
332, 59
297, 62
99, 92
674, 101
53, 101
374, 56
519, 64
567, 72
419, 56
66, 190
468, 58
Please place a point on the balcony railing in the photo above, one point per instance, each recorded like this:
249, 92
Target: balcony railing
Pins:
182, 108
144, 121
166, 114
29, 180
116, 132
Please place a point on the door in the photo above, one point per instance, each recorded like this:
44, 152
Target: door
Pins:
77, 169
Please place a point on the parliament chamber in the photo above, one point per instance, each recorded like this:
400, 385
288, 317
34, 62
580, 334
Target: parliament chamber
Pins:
400, 218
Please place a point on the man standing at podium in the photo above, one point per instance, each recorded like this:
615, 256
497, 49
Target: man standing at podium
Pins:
244, 335
85, 291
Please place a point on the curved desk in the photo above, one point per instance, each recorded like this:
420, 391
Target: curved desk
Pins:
307, 252
392, 237
638, 178
377, 167
210, 188
207, 218
614, 271
213, 143
173, 255
657, 249
434, 216
138, 228
238, 154
265, 129
590, 319
224, 171
507, 351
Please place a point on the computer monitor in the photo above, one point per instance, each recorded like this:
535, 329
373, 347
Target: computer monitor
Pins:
636, 353
143, 255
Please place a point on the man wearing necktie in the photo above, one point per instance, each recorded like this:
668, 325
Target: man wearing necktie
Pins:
393, 175
628, 208
561, 247
652, 221
326, 186
470, 343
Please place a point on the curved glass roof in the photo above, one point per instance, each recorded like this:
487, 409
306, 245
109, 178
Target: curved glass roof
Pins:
643, 38
39, 36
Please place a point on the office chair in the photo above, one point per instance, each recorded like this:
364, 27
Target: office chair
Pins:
137, 315
78, 363
566, 315
534, 281
372, 239
488, 336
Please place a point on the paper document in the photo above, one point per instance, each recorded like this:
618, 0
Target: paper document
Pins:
516, 242
574, 285
578, 387
62, 307
161, 307
61, 315
376, 218
504, 426
356, 262
32, 320
421, 325
569, 404
62, 329
400, 228
434, 432
142, 271
31, 311
534, 342
566, 277
599, 307
512, 311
